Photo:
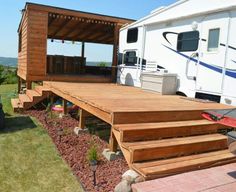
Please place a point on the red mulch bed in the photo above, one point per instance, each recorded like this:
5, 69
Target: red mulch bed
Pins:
74, 148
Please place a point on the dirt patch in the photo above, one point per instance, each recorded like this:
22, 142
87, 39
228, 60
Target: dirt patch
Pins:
73, 149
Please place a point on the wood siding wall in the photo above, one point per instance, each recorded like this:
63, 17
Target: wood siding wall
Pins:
37, 41
22, 55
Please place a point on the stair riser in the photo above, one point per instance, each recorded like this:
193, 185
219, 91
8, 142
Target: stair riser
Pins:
161, 133
138, 155
158, 116
191, 168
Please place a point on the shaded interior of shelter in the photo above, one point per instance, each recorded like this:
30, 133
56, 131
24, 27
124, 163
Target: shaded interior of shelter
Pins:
74, 29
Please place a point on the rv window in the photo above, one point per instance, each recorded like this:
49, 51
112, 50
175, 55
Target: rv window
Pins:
213, 40
188, 41
132, 35
130, 58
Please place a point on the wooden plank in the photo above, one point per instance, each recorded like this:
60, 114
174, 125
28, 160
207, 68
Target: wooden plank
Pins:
70, 78
125, 152
115, 53
74, 13
64, 103
156, 163
16, 105
175, 147
106, 116
189, 165
151, 131
82, 116
155, 116
113, 142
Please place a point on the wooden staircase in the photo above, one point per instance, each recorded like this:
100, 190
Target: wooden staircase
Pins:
165, 148
30, 98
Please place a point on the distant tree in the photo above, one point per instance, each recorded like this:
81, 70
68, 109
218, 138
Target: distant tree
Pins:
2, 76
102, 64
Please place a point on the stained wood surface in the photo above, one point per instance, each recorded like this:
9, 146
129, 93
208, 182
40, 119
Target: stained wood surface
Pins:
132, 104
152, 131
40, 22
162, 168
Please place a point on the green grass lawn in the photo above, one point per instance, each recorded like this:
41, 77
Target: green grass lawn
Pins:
28, 158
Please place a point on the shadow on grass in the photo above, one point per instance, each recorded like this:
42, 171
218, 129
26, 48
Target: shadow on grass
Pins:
17, 123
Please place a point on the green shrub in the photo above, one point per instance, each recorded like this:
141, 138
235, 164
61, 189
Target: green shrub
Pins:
92, 153
8, 75
102, 64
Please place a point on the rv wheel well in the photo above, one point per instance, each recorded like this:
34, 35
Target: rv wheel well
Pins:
181, 94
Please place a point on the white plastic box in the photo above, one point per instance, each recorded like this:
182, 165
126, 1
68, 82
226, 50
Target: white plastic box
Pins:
163, 83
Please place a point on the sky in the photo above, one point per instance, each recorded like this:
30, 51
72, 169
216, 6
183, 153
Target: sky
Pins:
10, 17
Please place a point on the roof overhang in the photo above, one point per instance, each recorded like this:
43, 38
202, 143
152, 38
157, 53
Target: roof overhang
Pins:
67, 24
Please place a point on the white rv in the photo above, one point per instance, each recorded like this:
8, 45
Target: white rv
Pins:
195, 39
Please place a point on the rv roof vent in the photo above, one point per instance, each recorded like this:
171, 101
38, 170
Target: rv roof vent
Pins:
157, 10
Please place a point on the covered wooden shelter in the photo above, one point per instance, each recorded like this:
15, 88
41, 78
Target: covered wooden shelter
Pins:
40, 23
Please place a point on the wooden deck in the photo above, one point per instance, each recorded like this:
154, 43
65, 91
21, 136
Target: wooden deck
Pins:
158, 135
117, 104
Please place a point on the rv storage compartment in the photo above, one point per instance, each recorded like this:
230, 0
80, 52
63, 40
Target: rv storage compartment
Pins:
164, 83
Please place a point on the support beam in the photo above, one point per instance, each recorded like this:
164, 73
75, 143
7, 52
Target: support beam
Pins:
82, 55
115, 55
80, 29
71, 30
93, 28
65, 109
60, 28
113, 142
28, 84
82, 116
51, 20
51, 101
19, 84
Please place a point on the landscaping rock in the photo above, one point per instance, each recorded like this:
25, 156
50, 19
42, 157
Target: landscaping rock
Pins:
124, 185
130, 175
110, 155
78, 130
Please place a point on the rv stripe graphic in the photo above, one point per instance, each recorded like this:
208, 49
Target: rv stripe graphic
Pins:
228, 72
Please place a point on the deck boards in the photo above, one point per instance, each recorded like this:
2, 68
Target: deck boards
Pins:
116, 99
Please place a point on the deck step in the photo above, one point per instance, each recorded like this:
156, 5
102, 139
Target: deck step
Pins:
32, 94
41, 89
167, 148
16, 105
25, 100
130, 117
162, 168
151, 131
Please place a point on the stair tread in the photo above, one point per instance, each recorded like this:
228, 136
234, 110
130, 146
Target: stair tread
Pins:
32, 93
24, 98
41, 88
16, 103
182, 164
144, 126
173, 141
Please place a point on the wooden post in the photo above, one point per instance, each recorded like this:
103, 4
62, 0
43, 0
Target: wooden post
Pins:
82, 56
28, 84
115, 55
19, 84
82, 115
65, 110
113, 142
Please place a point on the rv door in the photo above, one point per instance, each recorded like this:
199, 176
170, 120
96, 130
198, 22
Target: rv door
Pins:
212, 53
